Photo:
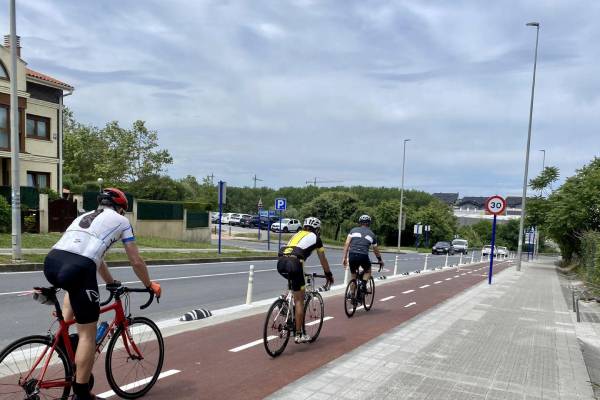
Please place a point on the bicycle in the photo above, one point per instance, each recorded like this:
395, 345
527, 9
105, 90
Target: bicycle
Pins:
357, 294
281, 317
39, 367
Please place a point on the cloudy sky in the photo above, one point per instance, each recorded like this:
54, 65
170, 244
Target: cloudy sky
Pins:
292, 90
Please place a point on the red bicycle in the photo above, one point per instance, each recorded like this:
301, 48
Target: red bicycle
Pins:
43, 367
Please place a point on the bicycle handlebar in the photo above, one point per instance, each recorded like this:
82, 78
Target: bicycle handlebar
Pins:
112, 288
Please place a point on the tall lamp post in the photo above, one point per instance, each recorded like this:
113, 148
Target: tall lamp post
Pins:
401, 203
524, 197
14, 141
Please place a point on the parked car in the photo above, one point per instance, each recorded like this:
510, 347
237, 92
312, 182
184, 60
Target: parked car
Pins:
234, 219
214, 217
225, 218
442, 248
502, 251
246, 221
460, 246
487, 250
287, 225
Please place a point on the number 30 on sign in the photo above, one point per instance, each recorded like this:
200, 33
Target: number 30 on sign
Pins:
495, 205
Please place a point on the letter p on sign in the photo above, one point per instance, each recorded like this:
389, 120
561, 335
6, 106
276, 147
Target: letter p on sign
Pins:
280, 204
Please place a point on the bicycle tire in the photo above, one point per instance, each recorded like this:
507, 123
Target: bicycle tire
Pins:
370, 297
54, 369
350, 298
314, 312
276, 327
143, 347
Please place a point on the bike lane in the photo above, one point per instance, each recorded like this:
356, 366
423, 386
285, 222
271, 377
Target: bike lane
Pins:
201, 364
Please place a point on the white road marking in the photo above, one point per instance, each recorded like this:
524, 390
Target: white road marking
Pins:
360, 307
448, 279
464, 273
259, 341
457, 276
408, 291
410, 304
470, 272
135, 384
423, 287
387, 298
437, 282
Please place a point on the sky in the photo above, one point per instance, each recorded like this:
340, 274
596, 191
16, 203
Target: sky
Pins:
297, 89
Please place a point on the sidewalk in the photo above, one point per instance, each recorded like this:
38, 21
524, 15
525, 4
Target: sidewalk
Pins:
513, 340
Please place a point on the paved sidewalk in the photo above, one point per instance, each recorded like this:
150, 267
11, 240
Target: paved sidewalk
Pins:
512, 340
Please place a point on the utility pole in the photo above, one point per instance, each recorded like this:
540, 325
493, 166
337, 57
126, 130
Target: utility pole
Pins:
314, 182
212, 178
15, 144
256, 179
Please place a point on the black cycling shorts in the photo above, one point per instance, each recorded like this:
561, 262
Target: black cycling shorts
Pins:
359, 260
77, 275
291, 269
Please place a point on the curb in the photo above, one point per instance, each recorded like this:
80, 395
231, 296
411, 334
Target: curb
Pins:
28, 267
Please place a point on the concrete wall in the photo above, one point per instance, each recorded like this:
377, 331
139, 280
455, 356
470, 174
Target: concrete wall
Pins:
197, 235
43, 212
160, 229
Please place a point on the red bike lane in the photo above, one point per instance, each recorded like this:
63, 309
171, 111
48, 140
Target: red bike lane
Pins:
201, 365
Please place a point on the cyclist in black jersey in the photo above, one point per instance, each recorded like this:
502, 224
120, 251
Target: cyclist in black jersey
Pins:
291, 266
356, 249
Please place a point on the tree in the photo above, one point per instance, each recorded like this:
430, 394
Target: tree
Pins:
332, 208
385, 221
5, 215
157, 187
441, 219
545, 179
145, 158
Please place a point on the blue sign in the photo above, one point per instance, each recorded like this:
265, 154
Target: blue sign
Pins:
265, 213
280, 204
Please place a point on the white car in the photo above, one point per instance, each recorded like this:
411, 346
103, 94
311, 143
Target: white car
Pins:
234, 219
225, 218
487, 250
460, 246
502, 251
287, 225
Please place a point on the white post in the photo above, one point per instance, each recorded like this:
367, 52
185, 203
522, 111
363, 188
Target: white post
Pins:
473, 257
396, 265
250, 285
347, 276
425, 266
460, 261
446, 263
481, 259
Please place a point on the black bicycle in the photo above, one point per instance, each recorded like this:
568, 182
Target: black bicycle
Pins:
281, 317
360, 293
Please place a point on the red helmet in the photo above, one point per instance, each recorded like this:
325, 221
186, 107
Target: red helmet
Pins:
115, 196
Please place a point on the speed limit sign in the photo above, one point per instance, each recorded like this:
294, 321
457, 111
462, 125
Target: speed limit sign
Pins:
495, 205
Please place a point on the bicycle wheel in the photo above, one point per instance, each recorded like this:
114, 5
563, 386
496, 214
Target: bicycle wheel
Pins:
350, 298
276, 333
20, 380
314, 311
135, 354
370, 294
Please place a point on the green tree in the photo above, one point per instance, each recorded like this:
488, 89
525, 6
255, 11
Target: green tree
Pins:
5, 215
332, 208
157, 187
441, 219
385, 222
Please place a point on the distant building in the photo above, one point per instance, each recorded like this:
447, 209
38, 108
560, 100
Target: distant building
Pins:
39, 99
471, 209
448, 198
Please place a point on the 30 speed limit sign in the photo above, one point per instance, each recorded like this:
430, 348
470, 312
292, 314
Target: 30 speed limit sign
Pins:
495, 205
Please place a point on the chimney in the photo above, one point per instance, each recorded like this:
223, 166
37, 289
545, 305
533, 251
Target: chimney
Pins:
7, 44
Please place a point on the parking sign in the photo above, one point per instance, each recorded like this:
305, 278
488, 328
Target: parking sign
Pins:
280, 204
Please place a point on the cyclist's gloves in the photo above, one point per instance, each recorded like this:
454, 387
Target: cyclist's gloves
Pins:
329, 276
155, 287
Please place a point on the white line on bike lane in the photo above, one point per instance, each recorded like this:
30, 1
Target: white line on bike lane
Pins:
410, 304
424, 286
259, 341
437, 282
135, 384
408, 291
387, 298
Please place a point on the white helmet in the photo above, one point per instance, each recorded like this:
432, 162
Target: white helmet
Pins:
313, 222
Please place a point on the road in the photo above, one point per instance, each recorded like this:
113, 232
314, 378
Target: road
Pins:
186, 287
228, 361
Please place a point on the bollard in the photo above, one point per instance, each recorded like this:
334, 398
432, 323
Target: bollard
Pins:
460, 261
481, 259
230, 230
446, 263
396, 265
346, 276
425, 266
250, 285
473, 257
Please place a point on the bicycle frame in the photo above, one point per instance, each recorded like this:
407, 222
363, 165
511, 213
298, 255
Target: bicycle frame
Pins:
63, 334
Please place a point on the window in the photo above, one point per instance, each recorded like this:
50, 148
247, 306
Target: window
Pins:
3, 72
4, 128
39, 180
38, 127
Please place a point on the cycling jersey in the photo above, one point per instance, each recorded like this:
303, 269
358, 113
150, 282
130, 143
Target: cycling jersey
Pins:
361, 238
92, 234
302, 244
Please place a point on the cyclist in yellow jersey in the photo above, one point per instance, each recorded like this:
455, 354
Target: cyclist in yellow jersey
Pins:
291, 266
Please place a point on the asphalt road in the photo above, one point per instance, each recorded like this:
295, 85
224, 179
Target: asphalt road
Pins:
185, 287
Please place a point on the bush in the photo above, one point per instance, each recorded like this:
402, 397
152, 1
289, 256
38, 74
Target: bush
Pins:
589, 260
5, 215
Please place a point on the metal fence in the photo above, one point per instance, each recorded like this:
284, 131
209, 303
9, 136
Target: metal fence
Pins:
159, 210
30, 196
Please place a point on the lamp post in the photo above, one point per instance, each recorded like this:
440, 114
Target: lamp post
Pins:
14, 141
401, 203
524, 197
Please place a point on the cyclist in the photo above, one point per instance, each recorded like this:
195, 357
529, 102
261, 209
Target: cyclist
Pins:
356, 249
291, 266
72, 264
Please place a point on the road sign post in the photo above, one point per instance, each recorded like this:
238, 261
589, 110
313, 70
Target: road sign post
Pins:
280, 205
259, 206
222, 200
494, 205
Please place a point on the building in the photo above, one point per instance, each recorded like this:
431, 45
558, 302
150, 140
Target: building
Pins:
448, 198
40, 123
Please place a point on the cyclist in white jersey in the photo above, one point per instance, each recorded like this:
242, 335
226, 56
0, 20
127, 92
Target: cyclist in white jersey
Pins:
72, 265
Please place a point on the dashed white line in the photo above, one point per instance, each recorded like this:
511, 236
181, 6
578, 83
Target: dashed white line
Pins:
387, 298
464, 273
410, 304
408, 291
141, 382
457, 276
423, 287
448, 279
437, 282
316, 322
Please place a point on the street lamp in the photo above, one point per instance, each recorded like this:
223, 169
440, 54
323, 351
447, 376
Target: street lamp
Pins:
401, 202
14, 140
100, 182
524, 197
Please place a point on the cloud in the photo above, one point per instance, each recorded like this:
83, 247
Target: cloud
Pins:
297, 89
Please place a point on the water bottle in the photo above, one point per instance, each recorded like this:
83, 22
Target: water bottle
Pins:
101, 332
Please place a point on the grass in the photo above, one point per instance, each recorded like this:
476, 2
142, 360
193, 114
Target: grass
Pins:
47, 240
38, 258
